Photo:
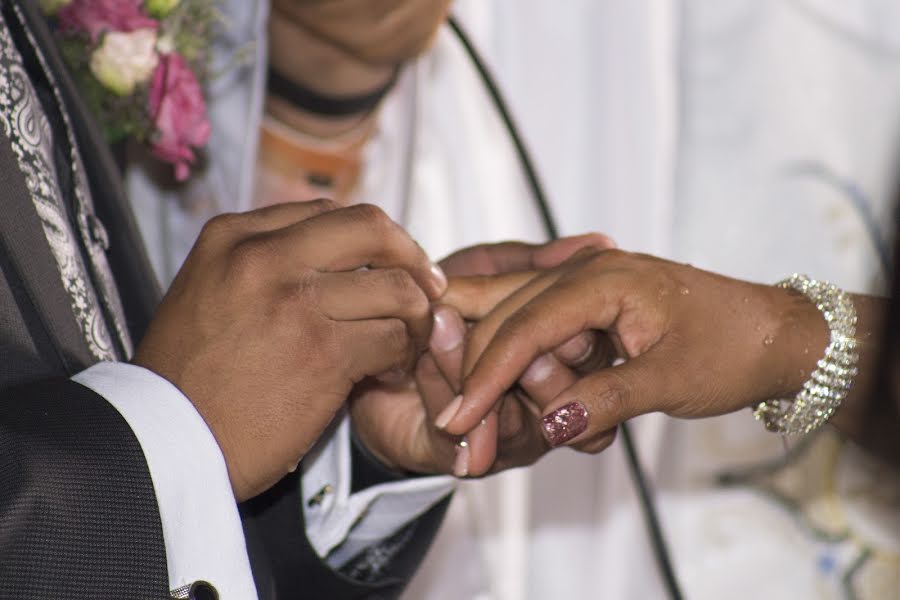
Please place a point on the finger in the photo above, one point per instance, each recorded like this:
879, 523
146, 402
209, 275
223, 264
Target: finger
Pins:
375, 346
519, 440
285, 214
602, 401
434, 389
477, 451
477, 296
377, 294
487, 328
559, 251
576, 350
480, 335
483, 332
437, 393
509, 257
587, 352
474, 450
481, 451
229, 228
597, 443
446, 345
510, 344
474, 297
545, 379
491, 259
356, 236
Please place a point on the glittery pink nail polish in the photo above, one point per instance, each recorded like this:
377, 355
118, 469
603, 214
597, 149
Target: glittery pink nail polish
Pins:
565, 423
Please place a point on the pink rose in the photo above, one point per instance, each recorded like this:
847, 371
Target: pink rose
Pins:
178, 112
97, 16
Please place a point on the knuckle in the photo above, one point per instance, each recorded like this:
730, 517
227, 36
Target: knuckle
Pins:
609, 258
585, 254
401, 283
613, 400
293, 308
249, 258
391, 237
409, 295
396, 337
371, 215
578, 350
222, 225
324, 205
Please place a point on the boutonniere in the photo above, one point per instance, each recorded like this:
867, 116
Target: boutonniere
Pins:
142, 66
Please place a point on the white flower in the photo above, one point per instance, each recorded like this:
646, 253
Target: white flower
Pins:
124, 60
166, 44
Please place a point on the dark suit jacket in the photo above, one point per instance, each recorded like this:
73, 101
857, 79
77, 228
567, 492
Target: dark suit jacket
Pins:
78, 515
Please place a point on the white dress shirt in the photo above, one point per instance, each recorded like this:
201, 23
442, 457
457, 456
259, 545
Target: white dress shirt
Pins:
200, 522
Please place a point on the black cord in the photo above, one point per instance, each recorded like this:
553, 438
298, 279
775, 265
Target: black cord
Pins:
651, 517
534, 181
648, 507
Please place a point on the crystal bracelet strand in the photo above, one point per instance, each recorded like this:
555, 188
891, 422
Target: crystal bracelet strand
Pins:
830, 382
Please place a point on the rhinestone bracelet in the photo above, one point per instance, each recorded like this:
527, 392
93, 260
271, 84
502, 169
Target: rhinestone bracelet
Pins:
829, 383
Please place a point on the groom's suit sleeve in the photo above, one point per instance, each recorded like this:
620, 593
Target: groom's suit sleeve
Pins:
367, 509
78, 515
97, 501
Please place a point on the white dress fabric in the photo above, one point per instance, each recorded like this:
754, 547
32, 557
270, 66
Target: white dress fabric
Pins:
751, 137
783, 120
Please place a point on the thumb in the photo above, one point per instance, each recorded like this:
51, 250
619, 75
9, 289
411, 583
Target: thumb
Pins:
600, 402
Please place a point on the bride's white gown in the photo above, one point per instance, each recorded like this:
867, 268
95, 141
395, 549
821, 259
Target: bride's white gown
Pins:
752, 137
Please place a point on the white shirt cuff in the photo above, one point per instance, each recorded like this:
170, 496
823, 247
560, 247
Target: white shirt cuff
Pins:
200, 521
340, 525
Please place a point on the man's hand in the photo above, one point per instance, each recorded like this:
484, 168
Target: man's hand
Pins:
397, 423
276, 314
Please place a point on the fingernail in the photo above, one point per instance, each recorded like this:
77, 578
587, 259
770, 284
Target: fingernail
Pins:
439, 278
393, 376
448, 413
577, 350
539, 370
565, 423
461, 465
444, 336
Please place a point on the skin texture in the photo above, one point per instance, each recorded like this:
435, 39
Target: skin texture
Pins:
374, 32
697, 344
345, 48
397, 421
271, 322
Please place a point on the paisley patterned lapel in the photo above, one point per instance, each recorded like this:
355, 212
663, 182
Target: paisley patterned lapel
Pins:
28, 131
127, 257
22, 240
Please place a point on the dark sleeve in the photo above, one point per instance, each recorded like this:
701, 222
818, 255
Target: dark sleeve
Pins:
287, 567
78, 514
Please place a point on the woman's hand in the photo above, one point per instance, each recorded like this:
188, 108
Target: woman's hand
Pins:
695, 344
397, 421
